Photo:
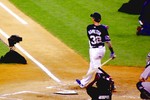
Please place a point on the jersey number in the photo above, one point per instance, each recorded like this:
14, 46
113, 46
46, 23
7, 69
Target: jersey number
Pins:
95, 39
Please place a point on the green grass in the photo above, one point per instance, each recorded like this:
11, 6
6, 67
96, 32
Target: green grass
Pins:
3, 49
68, 19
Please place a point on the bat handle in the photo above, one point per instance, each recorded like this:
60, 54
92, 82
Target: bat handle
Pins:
98, 67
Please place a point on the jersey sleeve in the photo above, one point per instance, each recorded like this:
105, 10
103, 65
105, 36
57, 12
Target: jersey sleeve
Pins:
88, 28
146, 73
105, 34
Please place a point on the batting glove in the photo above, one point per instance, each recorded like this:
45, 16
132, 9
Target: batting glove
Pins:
112, 55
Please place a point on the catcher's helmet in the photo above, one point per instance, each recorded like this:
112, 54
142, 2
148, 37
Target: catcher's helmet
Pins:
148, 58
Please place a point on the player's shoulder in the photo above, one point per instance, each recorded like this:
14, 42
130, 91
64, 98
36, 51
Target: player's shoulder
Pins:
104, 26
147, 66
101, 27
90, 25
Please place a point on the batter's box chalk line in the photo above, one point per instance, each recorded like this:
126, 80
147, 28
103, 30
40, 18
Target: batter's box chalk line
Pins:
129, 96
5, 96
52, 87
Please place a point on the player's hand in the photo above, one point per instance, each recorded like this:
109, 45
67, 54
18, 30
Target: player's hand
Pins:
96, 77
142, 79
112, 55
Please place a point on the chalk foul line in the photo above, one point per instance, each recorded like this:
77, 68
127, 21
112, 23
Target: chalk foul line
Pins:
13, 14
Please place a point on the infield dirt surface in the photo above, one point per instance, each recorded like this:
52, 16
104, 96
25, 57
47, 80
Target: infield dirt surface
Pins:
29, 82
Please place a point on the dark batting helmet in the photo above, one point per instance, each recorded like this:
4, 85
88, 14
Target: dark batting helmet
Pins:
96, 16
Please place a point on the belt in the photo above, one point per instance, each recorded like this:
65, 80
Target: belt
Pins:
97, 46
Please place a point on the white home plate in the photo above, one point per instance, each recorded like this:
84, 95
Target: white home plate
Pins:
67, 92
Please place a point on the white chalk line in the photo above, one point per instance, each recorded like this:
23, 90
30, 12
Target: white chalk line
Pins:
131, 97
32, 59
50, 87
13, 14
5, 96
128, 96
21, 92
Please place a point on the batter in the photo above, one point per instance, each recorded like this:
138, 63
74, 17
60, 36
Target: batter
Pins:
98, 36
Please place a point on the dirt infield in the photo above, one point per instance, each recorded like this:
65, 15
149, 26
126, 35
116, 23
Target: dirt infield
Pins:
29, 82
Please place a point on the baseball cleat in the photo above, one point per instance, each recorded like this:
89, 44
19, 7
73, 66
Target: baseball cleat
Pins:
79, 83
114, 88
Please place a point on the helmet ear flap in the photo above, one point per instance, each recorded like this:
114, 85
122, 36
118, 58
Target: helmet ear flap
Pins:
148, 56
148, 60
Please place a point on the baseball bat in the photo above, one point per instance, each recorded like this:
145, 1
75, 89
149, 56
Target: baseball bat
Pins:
104, 72
97, 68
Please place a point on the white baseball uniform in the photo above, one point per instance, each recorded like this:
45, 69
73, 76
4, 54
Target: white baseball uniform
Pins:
145, 75
97, 36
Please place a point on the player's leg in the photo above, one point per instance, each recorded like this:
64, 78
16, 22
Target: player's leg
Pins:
97, 62
82, 83
96, 55
94, 61
144, 88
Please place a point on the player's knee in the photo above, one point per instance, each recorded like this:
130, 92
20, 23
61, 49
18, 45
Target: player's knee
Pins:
139, 86
144, 94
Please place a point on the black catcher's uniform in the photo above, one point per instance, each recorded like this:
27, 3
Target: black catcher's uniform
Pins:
103, 89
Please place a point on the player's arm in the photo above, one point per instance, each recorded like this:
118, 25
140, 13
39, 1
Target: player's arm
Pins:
142, 79
111, 49
108, 42
144, 76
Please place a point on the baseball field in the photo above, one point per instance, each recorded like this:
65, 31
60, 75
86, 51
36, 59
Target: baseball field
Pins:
52, 47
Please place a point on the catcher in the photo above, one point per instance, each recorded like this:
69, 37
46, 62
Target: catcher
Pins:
142, 85
103, 89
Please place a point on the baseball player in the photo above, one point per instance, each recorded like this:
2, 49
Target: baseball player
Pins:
144, 20
142, 85
98, 36
103, 88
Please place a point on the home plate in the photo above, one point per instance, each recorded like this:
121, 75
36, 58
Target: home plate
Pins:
67, 92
